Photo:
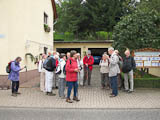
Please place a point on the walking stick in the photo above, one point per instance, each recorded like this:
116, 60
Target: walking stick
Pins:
77, 85
87, 73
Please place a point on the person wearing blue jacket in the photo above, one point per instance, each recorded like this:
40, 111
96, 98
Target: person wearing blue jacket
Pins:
14, 75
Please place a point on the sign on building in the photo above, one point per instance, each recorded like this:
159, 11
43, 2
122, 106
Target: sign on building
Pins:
147, 58
2, 36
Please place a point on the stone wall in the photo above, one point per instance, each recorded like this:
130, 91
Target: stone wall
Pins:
27, 79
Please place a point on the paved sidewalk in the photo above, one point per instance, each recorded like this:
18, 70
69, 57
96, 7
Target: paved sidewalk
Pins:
91, 97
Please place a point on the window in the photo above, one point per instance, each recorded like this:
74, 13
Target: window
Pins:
45, 50
45, 18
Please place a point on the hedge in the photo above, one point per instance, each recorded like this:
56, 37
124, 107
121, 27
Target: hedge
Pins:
146, 82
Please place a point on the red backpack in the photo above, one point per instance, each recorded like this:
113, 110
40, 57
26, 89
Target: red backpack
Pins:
8, 67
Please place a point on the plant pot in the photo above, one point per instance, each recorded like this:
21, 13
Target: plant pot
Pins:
47, 28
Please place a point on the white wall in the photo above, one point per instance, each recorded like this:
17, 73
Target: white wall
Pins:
4, 31
22, 20
155, 71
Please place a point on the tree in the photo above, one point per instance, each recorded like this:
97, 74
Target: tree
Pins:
138, 30
103, 14
70, 16
151, 4
84, 19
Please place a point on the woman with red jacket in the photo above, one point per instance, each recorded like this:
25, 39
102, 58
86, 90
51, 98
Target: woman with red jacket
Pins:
72, 76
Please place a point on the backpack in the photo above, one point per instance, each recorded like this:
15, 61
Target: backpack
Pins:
58, 70
100, 63
127, 66
8, 67
64, 68
45, 63
48, 64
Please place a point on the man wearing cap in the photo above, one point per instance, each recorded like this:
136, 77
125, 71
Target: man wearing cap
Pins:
113, 71
88, 62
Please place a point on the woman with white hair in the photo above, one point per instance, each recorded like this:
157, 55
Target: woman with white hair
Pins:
80, 66
128, 66
104, 70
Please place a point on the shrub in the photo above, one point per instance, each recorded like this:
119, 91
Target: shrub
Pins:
69, 36
152, 82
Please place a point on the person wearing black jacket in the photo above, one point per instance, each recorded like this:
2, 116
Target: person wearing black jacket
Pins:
128, 67
49, 66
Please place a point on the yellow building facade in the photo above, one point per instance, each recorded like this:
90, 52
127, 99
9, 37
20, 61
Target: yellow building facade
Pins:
96, 46
83, 46
22, 30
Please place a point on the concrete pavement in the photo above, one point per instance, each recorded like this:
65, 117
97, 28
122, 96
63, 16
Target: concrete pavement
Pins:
91, 97
78, 114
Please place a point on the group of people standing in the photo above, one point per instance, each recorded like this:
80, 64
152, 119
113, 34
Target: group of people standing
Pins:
70, 69
111, 67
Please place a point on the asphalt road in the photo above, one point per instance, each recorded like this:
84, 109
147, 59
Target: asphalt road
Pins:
78, 114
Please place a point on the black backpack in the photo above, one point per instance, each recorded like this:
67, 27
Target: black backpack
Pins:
127, 65
64, 69
49, 65
45, 63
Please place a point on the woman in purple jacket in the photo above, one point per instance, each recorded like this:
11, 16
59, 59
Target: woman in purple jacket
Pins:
14, 75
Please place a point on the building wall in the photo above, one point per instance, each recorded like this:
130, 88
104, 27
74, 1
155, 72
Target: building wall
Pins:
4, 25
84, 46
22, 30
155, 71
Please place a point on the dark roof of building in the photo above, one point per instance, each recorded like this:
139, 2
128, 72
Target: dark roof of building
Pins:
147, 50
54, 9
91, 41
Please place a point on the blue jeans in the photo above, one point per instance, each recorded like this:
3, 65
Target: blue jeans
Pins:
70, 85
114, 86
